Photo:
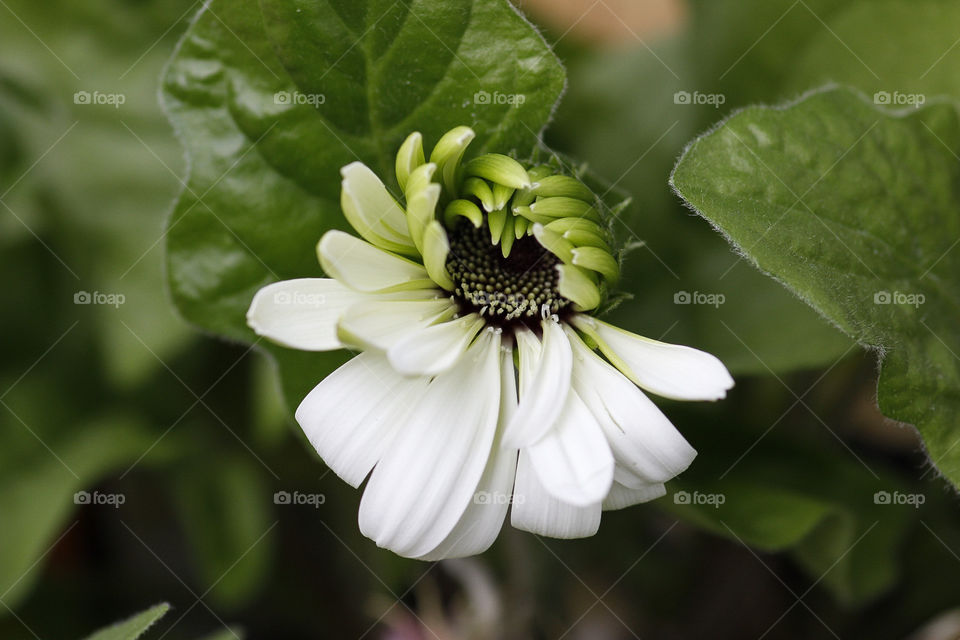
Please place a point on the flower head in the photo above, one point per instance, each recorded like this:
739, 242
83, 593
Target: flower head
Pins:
484, 380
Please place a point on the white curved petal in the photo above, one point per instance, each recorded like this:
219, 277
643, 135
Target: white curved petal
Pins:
573, 461
363, 267
436, 348
621, 497
481, 522
372, 211
301, 313
537, 511
425, 480
379, 324
669, 370
544, 382
352, 415
644, 442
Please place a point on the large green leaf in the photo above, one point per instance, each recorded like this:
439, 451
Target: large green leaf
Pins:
857, 210
789, 492
272, 100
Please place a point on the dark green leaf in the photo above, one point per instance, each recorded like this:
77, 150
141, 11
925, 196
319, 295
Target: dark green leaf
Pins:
856, 210
271, 105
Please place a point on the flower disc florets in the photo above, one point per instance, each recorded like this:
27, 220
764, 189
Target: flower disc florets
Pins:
519, 288
513, 243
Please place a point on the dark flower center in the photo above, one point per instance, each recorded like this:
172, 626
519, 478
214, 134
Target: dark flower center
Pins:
520, 289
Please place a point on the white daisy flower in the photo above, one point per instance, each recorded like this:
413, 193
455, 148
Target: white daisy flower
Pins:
479, 384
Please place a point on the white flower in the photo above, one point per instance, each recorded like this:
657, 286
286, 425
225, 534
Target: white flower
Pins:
479, 384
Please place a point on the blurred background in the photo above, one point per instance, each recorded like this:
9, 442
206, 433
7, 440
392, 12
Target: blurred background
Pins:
139, 460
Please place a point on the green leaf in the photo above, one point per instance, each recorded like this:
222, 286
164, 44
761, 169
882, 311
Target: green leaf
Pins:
855, 209
788, 492
271, 101
132, 628
231, 633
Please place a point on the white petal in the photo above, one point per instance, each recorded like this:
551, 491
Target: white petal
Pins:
302, 313
351, 417
427, 477
481, 522
536, 511
573, 461
643, 440
372, 211
621, 497
544, 383
379, 324
669, 370
364, 267
436, 348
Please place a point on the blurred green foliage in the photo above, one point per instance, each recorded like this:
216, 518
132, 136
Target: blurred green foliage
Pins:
131, 401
